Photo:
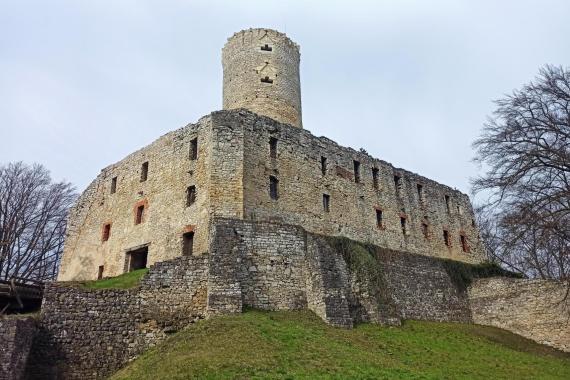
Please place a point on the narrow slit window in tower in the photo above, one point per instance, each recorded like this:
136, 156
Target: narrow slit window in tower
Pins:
375, 178
273, 185
194, 148
273, 147
425, 230
113, 185
266, 80
356, 171
398, 184
447, 203
190, 195
187, 243
323, 165
326, 202
100, 273
446, 237
106, 232
144, 171
420, 193
463, 241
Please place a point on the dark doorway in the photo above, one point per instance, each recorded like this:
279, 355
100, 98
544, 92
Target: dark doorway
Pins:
137, 258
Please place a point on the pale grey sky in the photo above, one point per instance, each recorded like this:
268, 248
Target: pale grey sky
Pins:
84, 83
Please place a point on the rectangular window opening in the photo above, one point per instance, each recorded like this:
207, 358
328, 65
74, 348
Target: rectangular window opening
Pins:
379, 218
106, 232
140, 214
187, 243
273, 147
420, 193
190, 195
137, 258
326, 202
113, 185
266, 47
403, 225
273, 187
266, 80
425, 230
100, 273
375, 178
323, 165
398, 184
356, 171
463, 241
447, 206
144, 171
446, 237
194, 148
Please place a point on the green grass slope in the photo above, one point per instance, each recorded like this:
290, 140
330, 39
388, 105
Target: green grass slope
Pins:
124, 281
298, 345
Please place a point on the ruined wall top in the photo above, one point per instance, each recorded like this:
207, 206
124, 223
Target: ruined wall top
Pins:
261, 74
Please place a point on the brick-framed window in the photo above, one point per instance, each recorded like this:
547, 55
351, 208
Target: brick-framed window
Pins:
106, 232
140, 210
188, 243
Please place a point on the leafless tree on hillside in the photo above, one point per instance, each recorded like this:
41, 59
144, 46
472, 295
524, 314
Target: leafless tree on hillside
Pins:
525, 150
33, 213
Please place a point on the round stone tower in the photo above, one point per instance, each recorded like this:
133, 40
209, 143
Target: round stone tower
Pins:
261, 74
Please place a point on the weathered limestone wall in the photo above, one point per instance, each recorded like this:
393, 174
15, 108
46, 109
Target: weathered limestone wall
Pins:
531, 308
16, 336
89, 334
166, 216
352, 205
261, 73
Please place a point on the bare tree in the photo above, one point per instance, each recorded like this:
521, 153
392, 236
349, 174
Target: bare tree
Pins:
33, 213
525, 149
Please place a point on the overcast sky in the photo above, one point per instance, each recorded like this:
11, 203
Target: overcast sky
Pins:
84, 83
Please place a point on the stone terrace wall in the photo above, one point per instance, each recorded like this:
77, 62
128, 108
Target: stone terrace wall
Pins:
531, 308
89, 334
16, 336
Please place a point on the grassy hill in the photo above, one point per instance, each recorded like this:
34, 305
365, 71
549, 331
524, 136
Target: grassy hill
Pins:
298, 345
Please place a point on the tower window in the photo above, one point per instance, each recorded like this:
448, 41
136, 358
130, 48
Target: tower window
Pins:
273, 147
113, 185
100, 272
190, 195
194, 148
139, 215
106, 232
403, 224
463, 241
144, 171
266, 80
379, 218
375, 178
273, 187
446, 238
398, 184
323, 165
447, 203
187, 243
266, 47
356, 171
326, 202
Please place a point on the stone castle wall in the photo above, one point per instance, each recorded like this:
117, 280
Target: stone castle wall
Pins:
16, 336
261, 73
535, 309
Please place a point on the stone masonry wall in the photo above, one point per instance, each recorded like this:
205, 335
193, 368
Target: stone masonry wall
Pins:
16, 336
532, 308
353, 202
89, 334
